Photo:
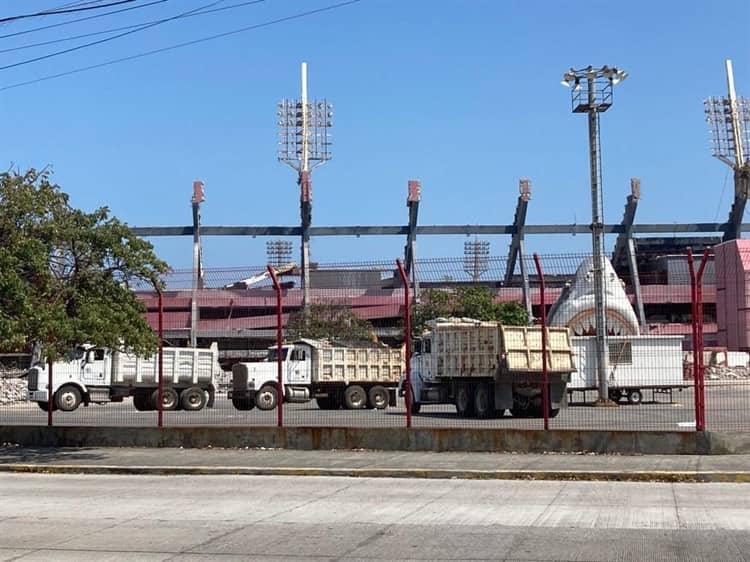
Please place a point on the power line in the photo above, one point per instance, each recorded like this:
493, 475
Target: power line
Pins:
55, 12
121, 28
106, 39
180, 45
69, 22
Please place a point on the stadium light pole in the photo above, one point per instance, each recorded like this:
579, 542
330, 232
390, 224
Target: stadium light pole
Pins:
591, 93
476, 258
729, 122
304, 144
278, 252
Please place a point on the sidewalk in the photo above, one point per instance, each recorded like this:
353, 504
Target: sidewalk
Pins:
361, 463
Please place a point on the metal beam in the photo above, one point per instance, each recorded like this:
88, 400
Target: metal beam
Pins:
524, 189
707, 227
627, 221
737, 212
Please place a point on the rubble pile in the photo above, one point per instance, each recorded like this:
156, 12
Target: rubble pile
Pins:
12, 387
722, 372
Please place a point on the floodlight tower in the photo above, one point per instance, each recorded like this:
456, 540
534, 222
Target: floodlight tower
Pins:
476, 258
729, 122
591, 93
304, 145
278, 252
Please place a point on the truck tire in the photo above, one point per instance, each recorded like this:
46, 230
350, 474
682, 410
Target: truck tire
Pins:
142, 402
377, 397
415, 407
464, 400
328, 402
484, 401
355, 397
635, 396
615, 394
193, 399
266, 398
169, 399
68, 398
45, 406
243, 404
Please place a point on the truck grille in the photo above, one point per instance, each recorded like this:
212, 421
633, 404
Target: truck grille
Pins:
239, 376
32, 379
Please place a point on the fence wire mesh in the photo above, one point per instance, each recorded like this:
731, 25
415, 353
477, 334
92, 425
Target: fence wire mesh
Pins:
348, 361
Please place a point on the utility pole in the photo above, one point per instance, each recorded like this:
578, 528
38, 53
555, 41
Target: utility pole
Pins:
304, 144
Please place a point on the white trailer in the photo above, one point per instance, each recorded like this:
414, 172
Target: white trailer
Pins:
99, 375
335, 374
636, 364
485, 368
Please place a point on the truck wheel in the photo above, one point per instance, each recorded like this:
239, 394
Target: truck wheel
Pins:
484, 402
355, 397
553, 412
266, 398
615, 394
169, 399
635, 396
327, 403
464, 401
377, 397
68, 398
243, 404
45, 406
193, 399
142, 402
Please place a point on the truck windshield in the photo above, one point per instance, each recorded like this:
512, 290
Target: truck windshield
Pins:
273, 354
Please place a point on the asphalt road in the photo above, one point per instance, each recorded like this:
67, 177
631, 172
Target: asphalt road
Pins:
193, 518
726, 404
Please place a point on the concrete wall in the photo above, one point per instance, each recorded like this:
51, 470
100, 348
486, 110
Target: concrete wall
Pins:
325, 438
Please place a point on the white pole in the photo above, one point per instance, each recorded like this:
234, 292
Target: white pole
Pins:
736, 125
305, 115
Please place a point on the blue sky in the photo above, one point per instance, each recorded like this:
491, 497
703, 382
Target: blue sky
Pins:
462, 95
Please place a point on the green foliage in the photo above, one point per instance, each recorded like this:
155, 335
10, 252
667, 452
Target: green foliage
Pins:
469, 302
328, 321
65, 275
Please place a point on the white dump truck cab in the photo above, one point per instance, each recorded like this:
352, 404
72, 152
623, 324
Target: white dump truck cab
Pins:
255, 383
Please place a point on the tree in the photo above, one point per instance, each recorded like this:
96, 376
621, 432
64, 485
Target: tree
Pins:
328, 321
470, 302
66, 275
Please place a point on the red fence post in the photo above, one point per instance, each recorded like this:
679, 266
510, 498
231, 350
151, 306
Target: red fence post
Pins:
160, 420
696, 294
407, 340
279, 358
49, 393
545, 376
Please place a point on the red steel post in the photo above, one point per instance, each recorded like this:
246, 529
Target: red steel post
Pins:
49, 393
160, 410
407, 340
545, 376
700, 424
279, 358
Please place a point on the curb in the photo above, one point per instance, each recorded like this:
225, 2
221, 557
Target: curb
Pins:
425, 473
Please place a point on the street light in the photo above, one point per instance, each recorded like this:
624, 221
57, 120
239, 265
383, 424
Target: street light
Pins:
591, 93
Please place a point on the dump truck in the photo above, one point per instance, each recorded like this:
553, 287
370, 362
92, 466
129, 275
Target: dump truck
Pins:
97, 375
334, 374
485, 368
